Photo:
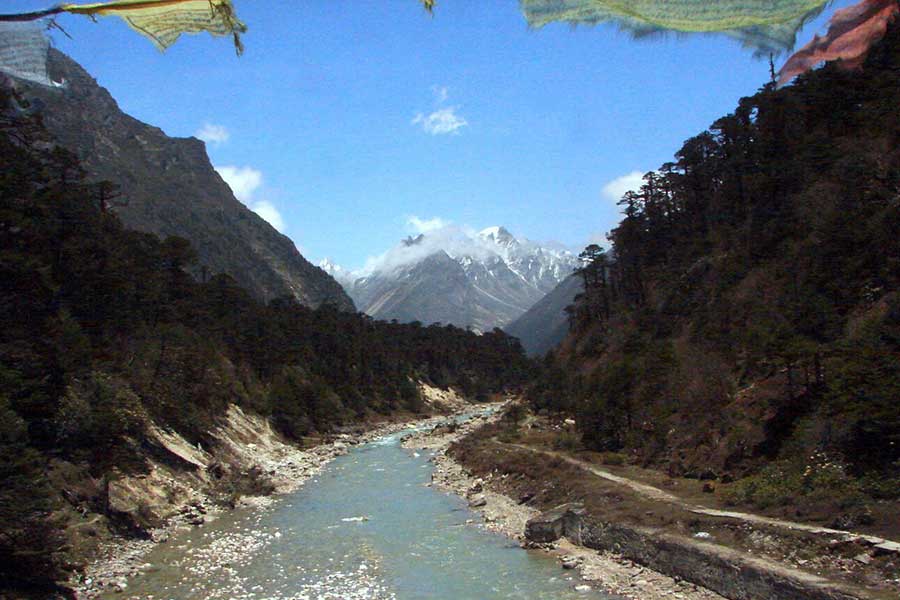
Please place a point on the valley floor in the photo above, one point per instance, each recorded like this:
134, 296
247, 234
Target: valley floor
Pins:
503, 514
501, 462
185, 487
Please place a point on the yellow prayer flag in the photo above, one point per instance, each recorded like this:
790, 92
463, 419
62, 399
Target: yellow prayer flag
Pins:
163, 21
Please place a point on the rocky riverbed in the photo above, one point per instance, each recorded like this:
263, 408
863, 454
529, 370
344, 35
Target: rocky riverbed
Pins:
364, 527
502, 514
284, 467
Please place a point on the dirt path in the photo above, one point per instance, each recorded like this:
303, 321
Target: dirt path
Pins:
656, 494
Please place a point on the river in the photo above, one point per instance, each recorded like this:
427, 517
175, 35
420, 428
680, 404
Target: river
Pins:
366, 528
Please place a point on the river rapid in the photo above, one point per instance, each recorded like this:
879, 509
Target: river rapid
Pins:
366, 528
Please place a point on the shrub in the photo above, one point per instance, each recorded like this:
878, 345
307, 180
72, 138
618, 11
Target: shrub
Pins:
411, 397
819, 480
568, 441
509, 436
613, 459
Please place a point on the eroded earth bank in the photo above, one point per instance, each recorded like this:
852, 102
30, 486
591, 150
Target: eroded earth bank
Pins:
640, 533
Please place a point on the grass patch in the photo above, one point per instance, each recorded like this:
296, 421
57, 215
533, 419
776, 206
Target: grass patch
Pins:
569, 441
612, 459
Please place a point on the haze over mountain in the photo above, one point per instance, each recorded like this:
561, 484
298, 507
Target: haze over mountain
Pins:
167, 186
453, 275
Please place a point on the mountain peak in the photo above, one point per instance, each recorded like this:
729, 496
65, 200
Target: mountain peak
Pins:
453, 275
328, 266
498, 233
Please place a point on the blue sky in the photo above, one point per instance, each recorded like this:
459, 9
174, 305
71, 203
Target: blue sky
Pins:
345, 119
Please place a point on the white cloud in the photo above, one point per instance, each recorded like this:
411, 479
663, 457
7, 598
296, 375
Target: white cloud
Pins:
441, 122
615, 189
452, 239
441, 93
267, 211
213, 134
244, 182
425, 225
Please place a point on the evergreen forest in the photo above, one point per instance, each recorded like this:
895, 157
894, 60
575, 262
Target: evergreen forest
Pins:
103, 331
745, 321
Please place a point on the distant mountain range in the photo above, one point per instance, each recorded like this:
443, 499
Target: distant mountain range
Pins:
169, 187
475, 280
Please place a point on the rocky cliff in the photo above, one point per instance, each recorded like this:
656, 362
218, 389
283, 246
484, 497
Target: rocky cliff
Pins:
169, 187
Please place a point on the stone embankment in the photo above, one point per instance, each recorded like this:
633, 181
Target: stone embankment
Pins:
733, 574
605, 570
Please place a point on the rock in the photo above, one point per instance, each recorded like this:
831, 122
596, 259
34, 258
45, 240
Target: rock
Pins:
887, 548
706, 475
570, 562
218, 469
582, 588
702, 535
478, 501
196, 520
477, 486
863, 558
550, 526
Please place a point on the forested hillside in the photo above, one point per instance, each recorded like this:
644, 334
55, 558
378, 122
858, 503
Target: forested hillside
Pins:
748, 325
103, 331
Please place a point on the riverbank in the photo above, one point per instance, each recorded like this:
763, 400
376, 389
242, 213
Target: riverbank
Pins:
672, 526
505, 515
192, 487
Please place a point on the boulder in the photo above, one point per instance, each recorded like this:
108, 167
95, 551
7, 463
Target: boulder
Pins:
551, 525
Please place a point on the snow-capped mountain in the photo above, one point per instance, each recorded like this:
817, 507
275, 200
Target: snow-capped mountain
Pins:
478, 280
339, 273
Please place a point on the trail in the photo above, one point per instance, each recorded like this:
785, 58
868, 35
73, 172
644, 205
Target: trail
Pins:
653, 493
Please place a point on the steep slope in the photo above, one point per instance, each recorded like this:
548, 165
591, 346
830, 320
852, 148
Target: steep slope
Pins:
481, 281
168, 187
748, 326
545, 325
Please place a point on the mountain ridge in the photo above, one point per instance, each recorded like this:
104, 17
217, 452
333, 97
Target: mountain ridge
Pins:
546, 324
478, 280
170, 188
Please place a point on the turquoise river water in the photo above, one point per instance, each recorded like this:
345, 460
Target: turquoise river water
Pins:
365, 528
